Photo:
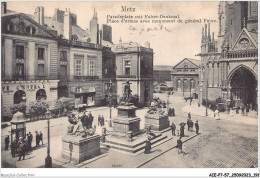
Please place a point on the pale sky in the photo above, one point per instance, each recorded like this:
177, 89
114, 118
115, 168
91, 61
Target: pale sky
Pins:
170, 46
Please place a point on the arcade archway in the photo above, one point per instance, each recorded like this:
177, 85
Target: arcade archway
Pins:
243, 88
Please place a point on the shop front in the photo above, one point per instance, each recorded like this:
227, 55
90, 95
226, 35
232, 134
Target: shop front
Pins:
84, 95
15, 92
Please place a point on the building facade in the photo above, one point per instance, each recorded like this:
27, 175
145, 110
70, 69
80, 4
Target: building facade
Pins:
29, 61
229, 67
135, 64
185, 77
162, 73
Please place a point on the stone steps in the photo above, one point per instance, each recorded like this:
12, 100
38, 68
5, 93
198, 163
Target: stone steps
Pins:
132, 147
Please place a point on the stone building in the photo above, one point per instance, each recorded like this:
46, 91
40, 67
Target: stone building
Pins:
29, 60
185, 76
229, 67
162, 73
135, 64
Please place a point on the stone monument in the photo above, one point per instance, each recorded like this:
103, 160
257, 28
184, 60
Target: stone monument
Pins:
81, 142
156, 118
126, 122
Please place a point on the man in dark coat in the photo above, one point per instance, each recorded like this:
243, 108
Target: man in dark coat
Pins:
40, 138
170, 112
37, 138
182, 131
30, 138
13, 147
173, 112
179, 145
173, 127
102, 121
148, 146
21, 148
189, 115
90, 119
99, 120
7, 141
197, 127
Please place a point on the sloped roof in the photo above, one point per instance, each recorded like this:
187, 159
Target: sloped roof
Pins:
254, 35
162, 67
194, 61
51, 24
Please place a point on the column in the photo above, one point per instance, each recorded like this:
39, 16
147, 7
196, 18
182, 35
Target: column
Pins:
72, 63
218, 74
213, 74
31, 60
8, 58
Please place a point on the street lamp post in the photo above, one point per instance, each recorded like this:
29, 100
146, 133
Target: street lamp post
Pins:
183, 87
190, 92
48, 159
207, 98
110, 98
168, 101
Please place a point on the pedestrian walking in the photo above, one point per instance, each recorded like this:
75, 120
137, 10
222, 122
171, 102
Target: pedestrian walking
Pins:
179, 145
37, 138
7, 141
21, 147
197, 127
13, 147
148, 146
182, 131
26, 145
40, 138
30, 138
247, 109
102, 121
91, 118
170, 112
189, 115
173, 112
173, 127
99, 120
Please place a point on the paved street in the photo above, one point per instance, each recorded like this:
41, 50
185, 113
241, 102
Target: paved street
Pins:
222, 143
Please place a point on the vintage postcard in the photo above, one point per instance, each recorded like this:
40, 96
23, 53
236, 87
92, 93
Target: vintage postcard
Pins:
149, 84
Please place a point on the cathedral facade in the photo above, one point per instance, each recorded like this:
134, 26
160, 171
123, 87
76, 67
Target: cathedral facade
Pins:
229, 65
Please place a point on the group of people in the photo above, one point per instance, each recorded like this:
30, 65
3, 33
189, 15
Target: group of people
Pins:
22, 145
38, 138
171, 112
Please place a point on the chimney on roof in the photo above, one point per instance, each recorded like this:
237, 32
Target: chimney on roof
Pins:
67, 25
3, 6
147, 44
120, 43
39, 15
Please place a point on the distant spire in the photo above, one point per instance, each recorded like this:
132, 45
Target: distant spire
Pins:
95, 13
244, 23
202, 37
213, 36
209, 32
205, 30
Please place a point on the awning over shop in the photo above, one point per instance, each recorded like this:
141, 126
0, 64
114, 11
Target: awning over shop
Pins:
83, 90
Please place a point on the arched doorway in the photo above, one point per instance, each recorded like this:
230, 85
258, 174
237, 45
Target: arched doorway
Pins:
243, 88
41, 95
19, 97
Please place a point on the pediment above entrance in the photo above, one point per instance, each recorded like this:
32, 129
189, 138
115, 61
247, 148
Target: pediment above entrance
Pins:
21, 24
244, 41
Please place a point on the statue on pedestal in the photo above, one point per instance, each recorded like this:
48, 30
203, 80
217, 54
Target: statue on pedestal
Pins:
155, 107
80, 124
126, 95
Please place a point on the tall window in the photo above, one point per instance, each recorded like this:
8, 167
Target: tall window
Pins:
20, 52
40, 53
127, 67
63, 55
192, 84
185, 68
63, 70
78, 67
91, 68
20, 70
179, 83
41, 70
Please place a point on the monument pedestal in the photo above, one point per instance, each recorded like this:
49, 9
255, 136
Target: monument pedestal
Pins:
78, 149
156, 121
126, 121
